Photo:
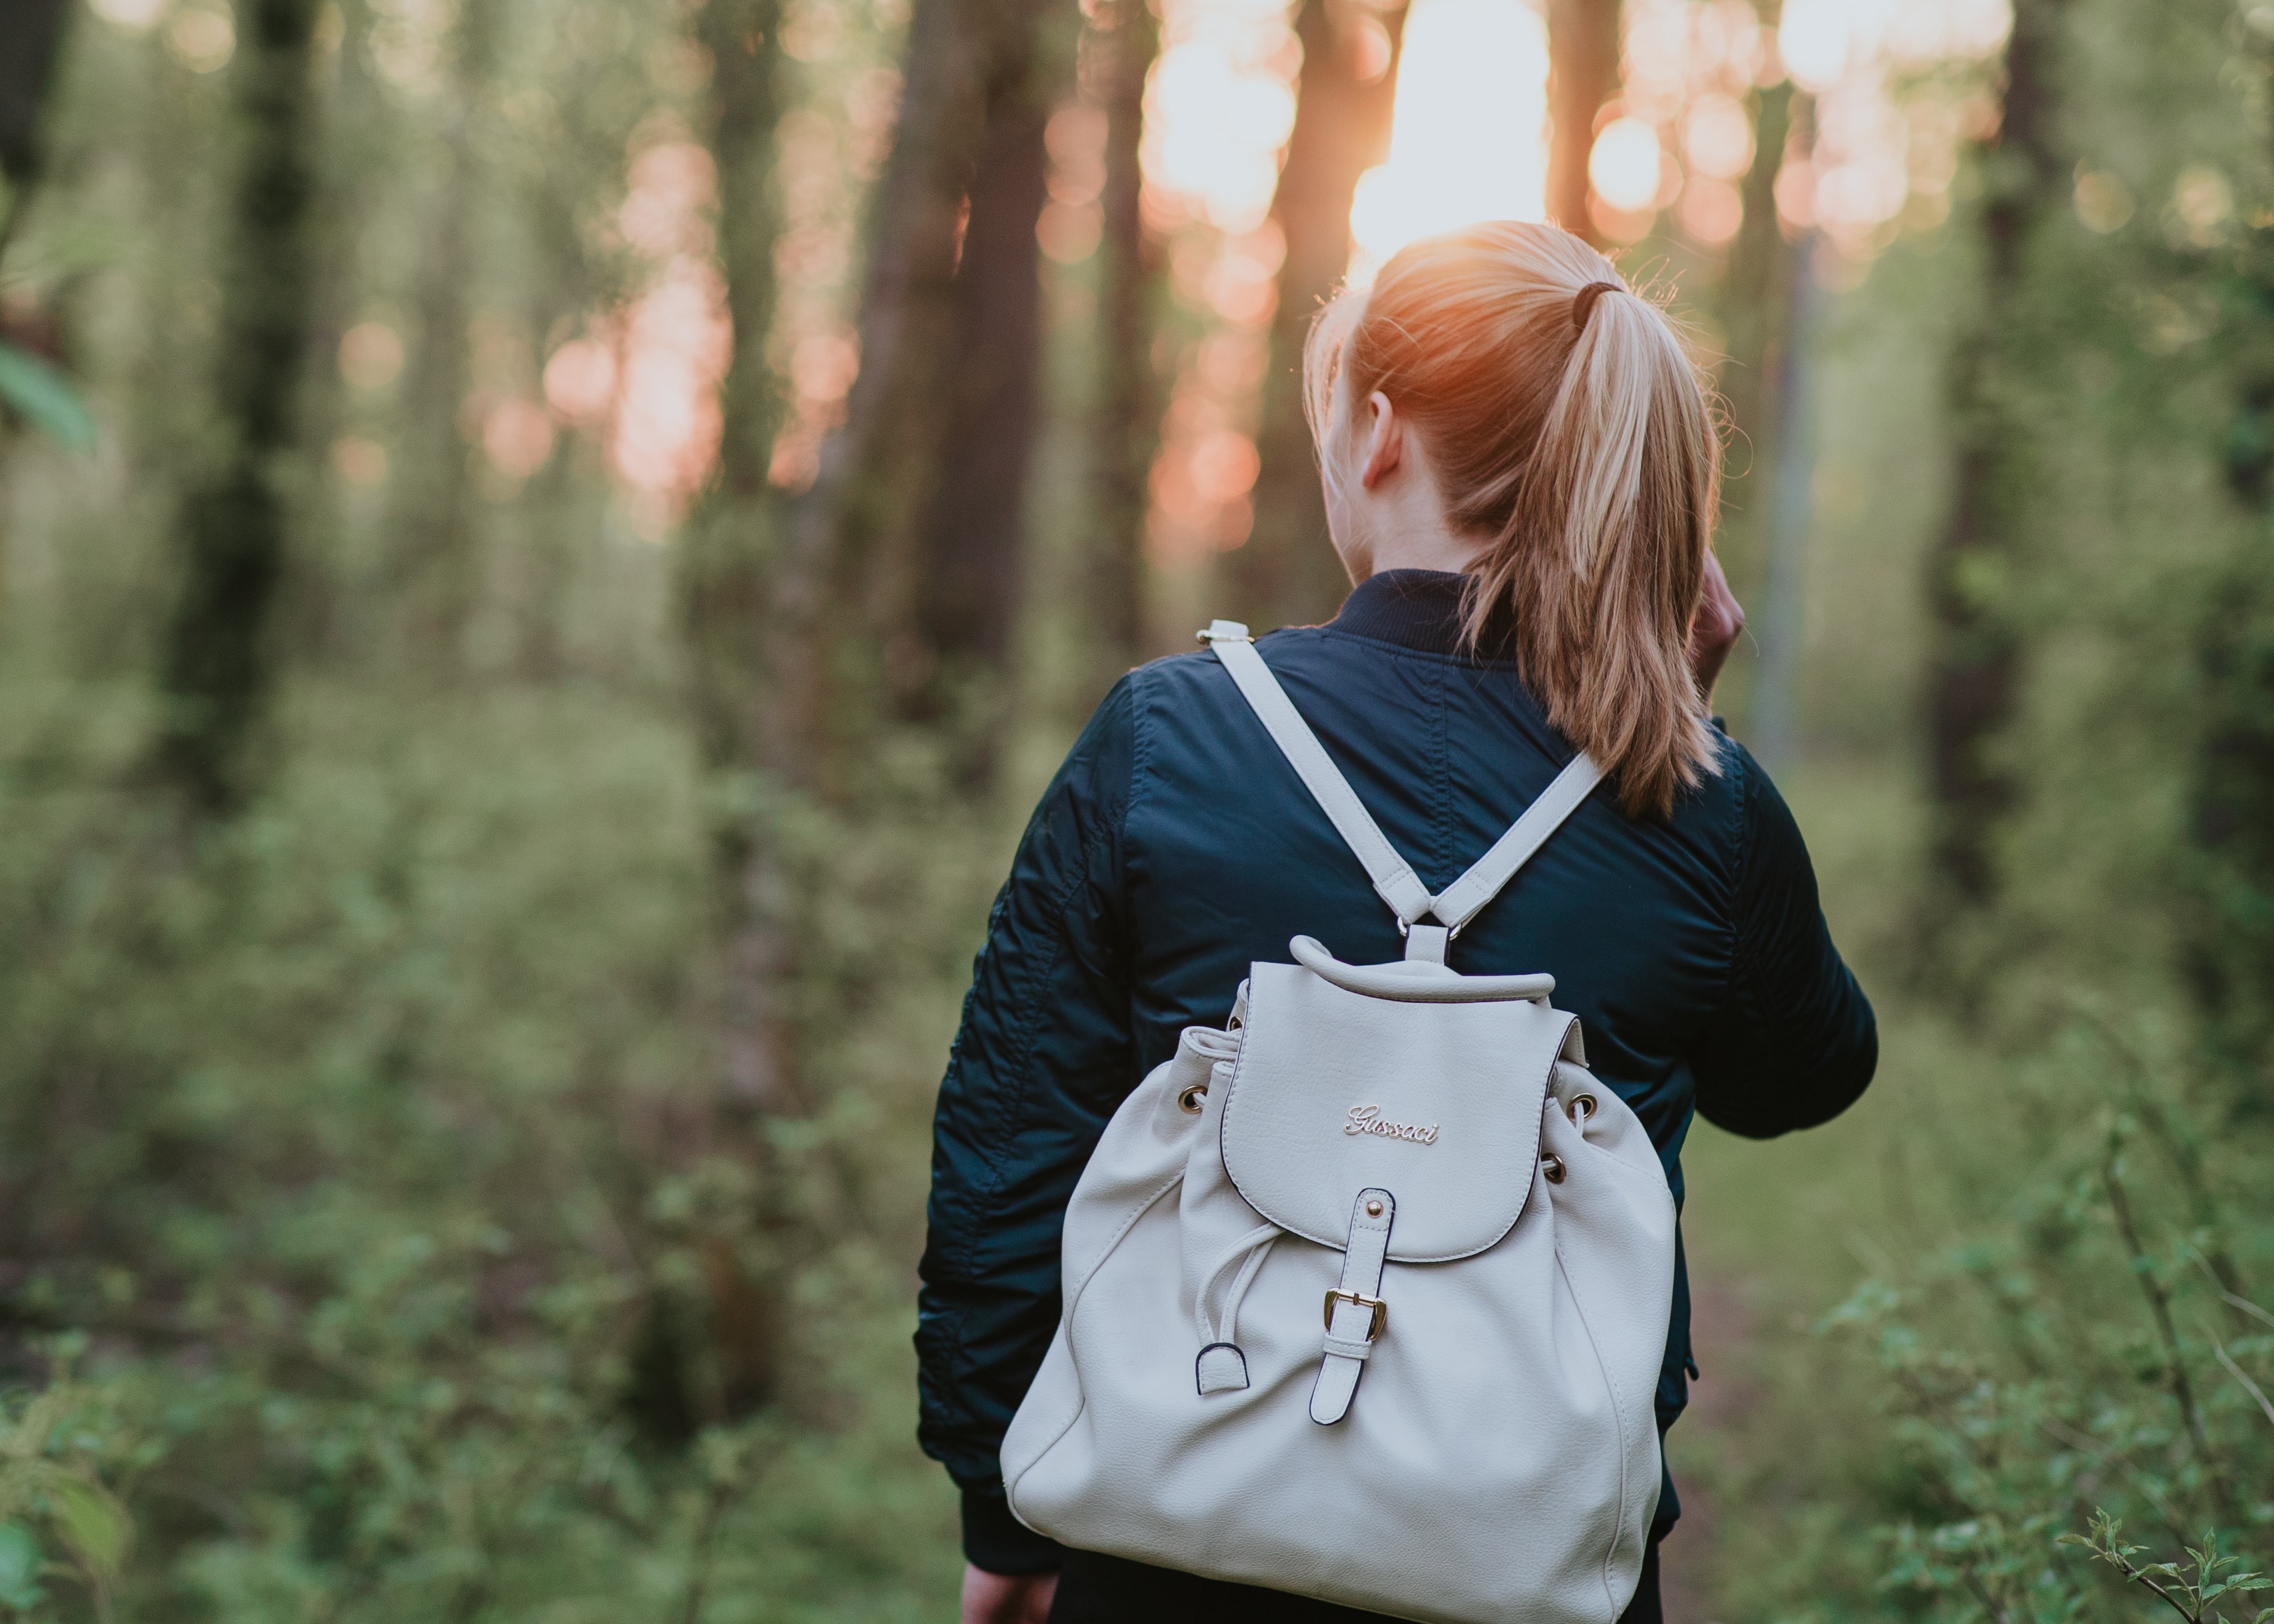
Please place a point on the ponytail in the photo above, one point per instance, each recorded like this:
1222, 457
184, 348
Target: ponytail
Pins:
1569, 427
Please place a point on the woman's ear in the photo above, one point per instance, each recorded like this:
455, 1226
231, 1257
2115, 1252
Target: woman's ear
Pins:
1383, 440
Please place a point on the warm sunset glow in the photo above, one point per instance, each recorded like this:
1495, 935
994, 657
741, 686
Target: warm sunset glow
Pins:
1626, 164
1470, 140
1219, 105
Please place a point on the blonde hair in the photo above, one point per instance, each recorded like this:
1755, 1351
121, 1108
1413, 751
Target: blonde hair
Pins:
1576, 434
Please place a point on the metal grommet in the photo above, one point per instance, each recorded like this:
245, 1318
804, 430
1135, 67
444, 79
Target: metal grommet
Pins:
1192, 1100
1583, 1107
1373, 1209
1553, 1166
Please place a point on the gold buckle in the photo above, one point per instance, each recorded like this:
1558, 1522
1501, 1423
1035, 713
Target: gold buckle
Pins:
1381, 1310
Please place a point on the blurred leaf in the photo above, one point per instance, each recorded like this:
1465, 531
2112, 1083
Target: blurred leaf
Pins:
45, 399
19, 1568
92, 1524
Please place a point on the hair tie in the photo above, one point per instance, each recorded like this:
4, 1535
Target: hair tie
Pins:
1582, 303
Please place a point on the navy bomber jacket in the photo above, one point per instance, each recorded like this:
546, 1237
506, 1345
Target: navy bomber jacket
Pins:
1176, 846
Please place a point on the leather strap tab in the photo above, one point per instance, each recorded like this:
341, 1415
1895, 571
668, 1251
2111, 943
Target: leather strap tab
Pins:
1221, 1368
1425, 944
1355, 1313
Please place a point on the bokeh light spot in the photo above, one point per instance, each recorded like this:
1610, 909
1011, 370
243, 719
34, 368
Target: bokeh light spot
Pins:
1626, 164
370, 355
1469, 137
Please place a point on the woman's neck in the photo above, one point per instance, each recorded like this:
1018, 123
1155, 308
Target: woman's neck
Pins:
1421, 547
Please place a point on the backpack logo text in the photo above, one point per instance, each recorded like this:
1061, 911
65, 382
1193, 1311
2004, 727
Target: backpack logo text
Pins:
1368, 1119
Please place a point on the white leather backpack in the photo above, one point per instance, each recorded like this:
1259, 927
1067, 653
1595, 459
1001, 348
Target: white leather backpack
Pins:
1366, 1296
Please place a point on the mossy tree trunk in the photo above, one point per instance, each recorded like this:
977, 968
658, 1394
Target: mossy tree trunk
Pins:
436, 567
232, 528
1975, 665
2227, 942
731, 1361
1125, 422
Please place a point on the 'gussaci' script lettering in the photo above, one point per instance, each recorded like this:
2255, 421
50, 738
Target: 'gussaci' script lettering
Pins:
1368, 1119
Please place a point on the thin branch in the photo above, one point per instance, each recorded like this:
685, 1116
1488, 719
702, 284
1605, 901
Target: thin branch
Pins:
2241, 1305
2235, 1371
2184, 1153
2138, 1577
2159, 1301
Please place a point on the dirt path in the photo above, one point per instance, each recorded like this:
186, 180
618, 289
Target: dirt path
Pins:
1720, 1331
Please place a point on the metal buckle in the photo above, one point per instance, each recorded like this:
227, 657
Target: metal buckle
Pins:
1381, 1310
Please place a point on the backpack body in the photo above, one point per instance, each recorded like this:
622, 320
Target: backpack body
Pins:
1365, 1297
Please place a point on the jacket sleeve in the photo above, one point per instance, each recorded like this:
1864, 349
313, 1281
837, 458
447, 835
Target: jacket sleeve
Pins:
1043, 1056
1795, 1043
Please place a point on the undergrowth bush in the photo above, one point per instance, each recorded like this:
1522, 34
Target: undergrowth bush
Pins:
2087, 1378
368, 1187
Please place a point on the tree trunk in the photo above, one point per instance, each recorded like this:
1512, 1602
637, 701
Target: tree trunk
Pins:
972, 543
1975, 666
2227, 940
1781, 622
726, 555
1755, 303
30, 31
850, 560
234, 524
728, 584
731, 1361
433, 521
1287, 572
1125, 426
1583, 57
1753, 295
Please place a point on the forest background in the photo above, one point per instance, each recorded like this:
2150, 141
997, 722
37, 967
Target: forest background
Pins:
546, 546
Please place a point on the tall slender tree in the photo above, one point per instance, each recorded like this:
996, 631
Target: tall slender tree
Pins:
1755, 303
233, 527
1975, 667
849, 564
1751, 297
2228, 935
30, 32
731, 1360
1286, 572
971, 537
434, 538
1125, 422
1583, 71
728, 554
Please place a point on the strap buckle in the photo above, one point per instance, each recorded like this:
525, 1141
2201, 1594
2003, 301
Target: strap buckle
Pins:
1357, 1299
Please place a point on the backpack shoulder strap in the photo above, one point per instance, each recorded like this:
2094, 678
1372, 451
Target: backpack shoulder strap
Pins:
1458, 903
1394, 879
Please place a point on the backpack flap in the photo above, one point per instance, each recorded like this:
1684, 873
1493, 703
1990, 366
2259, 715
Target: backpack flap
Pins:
1406, 1078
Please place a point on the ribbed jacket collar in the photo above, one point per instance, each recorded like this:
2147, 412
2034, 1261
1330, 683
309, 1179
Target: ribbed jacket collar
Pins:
1413, 608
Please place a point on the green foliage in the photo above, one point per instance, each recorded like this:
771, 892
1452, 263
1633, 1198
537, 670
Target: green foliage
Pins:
2190, 1597
374, 1228
401, 1084
2069, 1366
